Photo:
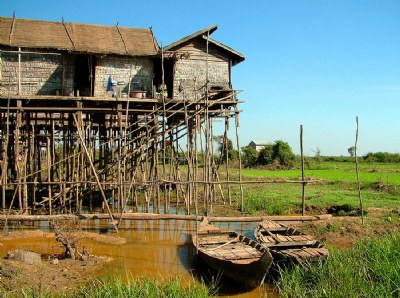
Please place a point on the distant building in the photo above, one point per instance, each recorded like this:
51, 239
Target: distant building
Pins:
257, 146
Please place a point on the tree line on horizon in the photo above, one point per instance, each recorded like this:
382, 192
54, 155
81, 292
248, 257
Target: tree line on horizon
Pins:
280, 154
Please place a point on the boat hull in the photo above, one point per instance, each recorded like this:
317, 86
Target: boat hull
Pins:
288, 245
233, 255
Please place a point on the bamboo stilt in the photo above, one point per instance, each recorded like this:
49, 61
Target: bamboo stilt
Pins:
240, 162
49, 195
303, 200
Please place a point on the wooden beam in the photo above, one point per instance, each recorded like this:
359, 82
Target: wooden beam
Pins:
153, 216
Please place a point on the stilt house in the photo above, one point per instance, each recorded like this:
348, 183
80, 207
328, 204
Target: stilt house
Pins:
86, 110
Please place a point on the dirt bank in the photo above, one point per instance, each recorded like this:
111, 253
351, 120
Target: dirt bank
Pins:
54, 274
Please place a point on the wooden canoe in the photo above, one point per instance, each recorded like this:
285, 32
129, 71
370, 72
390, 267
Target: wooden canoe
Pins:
231, 254
288, 244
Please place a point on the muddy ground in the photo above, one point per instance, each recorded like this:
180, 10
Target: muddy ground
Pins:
54, 273
57, 275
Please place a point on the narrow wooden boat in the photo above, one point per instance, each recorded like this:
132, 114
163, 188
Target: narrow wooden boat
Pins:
288, 244
233, 255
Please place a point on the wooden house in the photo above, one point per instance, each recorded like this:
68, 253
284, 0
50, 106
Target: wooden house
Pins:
71, 59
199, 62
256, 145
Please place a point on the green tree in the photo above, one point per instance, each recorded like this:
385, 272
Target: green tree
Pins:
250, 156
222, 145
283, 153
278, 153
266, 155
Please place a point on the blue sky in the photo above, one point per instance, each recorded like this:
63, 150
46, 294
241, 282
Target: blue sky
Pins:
312, 62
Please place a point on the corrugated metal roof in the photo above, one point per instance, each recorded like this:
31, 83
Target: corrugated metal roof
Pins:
77, 37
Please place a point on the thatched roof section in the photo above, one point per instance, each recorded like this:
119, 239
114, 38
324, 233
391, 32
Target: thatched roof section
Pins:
76, 37
205, 33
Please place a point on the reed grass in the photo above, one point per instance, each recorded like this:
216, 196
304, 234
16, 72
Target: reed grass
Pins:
131, 287
369, 269
138, 287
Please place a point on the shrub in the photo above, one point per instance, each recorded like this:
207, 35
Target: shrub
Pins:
250, 156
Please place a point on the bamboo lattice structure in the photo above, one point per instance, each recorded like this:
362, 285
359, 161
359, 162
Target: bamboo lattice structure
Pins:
62, 154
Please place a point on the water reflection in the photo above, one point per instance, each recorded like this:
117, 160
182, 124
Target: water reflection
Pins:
153, 248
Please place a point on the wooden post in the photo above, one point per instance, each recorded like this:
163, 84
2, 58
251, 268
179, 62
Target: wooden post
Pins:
164, 118
188, 151
227, 157
17, 153
19, 71
119, 156
240, 160
48, 152
358, 179
302, 172
4, 169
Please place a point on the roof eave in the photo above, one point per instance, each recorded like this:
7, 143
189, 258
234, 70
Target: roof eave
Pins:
237, 56
209, 29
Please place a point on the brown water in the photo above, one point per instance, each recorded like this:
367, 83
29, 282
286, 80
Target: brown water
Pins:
153, 248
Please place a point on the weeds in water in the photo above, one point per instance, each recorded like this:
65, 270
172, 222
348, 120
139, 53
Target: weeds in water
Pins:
370, 269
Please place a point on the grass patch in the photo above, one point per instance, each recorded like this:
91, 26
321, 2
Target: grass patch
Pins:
367, 176
142, 287
133, 287
370, 269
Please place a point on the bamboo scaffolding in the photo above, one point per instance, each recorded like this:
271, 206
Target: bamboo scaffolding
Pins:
121, 159
95, 174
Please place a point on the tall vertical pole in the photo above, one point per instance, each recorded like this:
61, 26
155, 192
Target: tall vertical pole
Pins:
227, 157
19, 71
240, 159
207, 138
166, 205
302, 172
358, 179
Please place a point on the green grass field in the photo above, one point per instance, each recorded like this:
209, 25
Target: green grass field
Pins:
333, 183
335, 172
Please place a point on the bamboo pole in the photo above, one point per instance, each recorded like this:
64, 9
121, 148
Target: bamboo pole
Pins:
17, 153
120, 160
227, 158
95, 174
358, 178
49, 175
5, 157
303, 200
240, 162
19, 72
164, 123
